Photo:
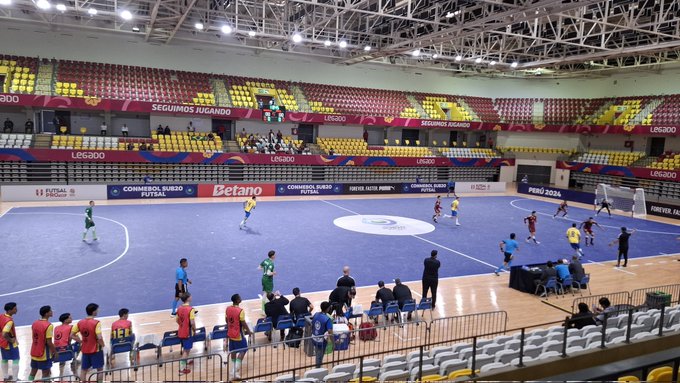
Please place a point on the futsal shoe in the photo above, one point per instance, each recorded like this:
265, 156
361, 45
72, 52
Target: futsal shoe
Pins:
185, 371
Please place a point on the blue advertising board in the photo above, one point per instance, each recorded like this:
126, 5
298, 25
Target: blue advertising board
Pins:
151, 191
308, 189
424, 187
563, 194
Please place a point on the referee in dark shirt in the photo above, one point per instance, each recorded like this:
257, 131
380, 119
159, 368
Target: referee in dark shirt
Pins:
431, 276
346, 280
622, 240
300, 306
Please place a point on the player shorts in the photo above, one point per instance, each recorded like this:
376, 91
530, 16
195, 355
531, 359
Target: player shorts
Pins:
235, 345
247, 214
89, 224
454, 213
452, 188
12, 353
267, 284
179, 290
532, 229
575, 246
95, 360
507, 257
41, 364
588, 231
187, 344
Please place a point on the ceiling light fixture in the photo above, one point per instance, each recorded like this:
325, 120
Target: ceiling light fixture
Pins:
459, 57
199, 26
435, 56
251, 33
514, 64
297, 38
416, 53
492, 63
327, 43
135, 29
449, 15
126, 15
92, 11
478, 60
43, 4
5, 2
61, 8
367, 48
343, 44
226, 29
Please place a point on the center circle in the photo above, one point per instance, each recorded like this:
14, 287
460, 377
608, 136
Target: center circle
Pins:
383, 225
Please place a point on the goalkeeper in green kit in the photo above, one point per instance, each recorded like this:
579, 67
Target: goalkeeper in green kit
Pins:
89, 223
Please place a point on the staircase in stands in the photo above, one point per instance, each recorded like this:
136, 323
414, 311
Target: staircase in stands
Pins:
303, 105
415, 104
231, 146
220, 91
42, 141
467, 107
646, 112
45, 78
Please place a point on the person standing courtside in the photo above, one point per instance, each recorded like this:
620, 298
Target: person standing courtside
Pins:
186, 328
322, 332
508, 248
237, 329
622, 240
42, 348
431, 276
346, 279
9, 347
89, 223
92, 349
182, 283
267, 267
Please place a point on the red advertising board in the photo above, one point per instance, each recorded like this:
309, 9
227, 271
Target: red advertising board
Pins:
622, 171
93, 103
236, 190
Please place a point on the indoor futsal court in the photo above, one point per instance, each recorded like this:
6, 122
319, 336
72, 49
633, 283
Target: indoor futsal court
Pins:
133, 263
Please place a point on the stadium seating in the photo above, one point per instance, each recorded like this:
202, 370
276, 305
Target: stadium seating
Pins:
468, 153
522, 149
15, 140
482, 107
435, 105
359, 147
667, 113
356, 101
288, 145
111, 81
667, 161
187, 142
609, 157
20, 73
242, 91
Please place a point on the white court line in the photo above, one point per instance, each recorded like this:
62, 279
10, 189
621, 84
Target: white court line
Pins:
425, 240
6, 211
512, 203
150, 323
615, 268
127, 247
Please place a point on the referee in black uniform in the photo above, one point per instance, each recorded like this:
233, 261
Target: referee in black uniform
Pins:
431, 276
622, 240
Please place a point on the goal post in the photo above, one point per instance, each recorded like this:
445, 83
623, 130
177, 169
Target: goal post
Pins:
622, 198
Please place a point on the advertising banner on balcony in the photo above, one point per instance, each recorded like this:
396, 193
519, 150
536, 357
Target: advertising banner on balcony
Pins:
151, 191
308, 189
236, 190
622, 171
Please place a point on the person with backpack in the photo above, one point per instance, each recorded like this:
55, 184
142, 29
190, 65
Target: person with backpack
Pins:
322, 332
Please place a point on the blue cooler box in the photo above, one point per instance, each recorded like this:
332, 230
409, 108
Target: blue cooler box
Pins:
342, 335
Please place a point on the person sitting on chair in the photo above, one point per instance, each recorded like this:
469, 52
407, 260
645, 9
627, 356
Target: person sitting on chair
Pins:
275, 308
548, 273
562, 270
583, 318
401, 293
604, 310
384, 296
122, 328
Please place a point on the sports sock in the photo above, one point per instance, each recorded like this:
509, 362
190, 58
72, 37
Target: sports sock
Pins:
174, 306
534, 238
31, 378
84, 233
5, 369
94, 233
15, 369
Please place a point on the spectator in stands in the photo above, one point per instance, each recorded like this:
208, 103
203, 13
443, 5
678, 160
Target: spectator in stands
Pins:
365, 135
149, 148
576, 268
167, 131
562, 270
308, 150
275, 308
300, 306
490, 142
124, 130
548, 272
279, 137
384, 296
122, 328
56, 124
345, 280
431, 276
28, 126
322, 332
270, 148
191, 128
103, 128
243, 133
301, 148
604, 309
130, 146
583, 318
159, 130
342, 297
331, 151
142, 146
9, 126
211, 137
525, 179
401, 293
270, 135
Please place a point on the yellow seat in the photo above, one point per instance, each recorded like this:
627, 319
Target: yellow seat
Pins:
664, 377
433, 378
460, 373
652, 376
364, 379
629, 378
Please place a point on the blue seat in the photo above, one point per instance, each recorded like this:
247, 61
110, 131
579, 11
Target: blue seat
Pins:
392, 307
550, 284
218, 332
200, 335
263, 325
408, 307
67, 354
301, 320
375, 311
425, 304
285, 322
585, 281
122, 345
170, 339
567, 282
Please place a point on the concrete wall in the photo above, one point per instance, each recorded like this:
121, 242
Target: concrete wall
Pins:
538, 140
180, 123
340, 131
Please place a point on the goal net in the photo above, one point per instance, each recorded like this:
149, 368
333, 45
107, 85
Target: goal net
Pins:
622, 198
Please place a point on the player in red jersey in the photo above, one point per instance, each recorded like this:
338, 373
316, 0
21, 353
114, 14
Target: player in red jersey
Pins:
588, 229
437, 209
530, 221
562, 208
42, 347
186, 328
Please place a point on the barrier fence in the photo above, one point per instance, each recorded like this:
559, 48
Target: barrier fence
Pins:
443, 330
205, 368
638, 297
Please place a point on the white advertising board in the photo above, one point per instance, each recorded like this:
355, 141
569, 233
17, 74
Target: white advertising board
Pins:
22, 193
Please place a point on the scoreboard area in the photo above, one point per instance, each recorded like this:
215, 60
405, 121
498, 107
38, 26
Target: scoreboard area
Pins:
273, 113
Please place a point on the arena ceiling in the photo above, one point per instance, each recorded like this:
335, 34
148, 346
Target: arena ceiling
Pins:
517, 38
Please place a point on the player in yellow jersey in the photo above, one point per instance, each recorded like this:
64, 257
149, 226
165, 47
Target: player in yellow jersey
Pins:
248, 206
454, 210
574, 237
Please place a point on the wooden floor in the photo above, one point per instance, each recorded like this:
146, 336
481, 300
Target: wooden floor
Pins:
456, 296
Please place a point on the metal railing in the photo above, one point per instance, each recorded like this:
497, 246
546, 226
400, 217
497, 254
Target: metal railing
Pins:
442, 330
625, 299
640, 296
204, 368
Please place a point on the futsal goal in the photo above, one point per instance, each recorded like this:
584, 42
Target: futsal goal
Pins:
622, 198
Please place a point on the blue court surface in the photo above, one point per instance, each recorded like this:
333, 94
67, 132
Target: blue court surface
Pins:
44, 260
